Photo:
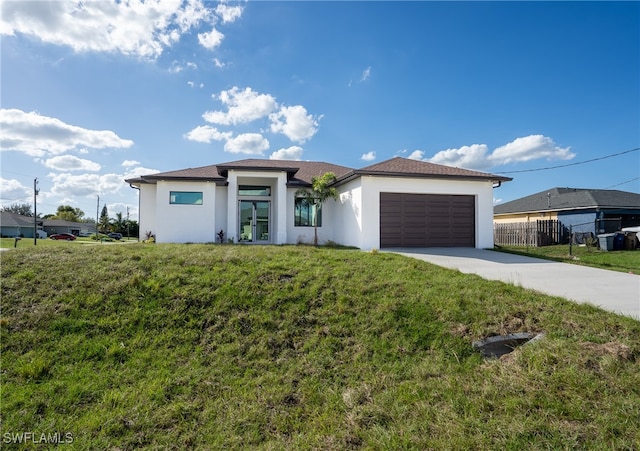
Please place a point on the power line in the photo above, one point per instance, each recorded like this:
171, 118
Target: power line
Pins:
570, 164
623, 183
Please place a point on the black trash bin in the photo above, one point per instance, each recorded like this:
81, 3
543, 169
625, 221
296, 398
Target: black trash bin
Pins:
618, 242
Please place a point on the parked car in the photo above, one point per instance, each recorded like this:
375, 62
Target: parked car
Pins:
63, 236
41, 234
85, 234
115, 235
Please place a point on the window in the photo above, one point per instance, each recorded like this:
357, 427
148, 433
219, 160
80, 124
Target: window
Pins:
304, 212
185, 197
249, 190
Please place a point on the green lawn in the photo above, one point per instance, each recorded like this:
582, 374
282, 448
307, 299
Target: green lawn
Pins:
624, 261
28, 242
295, 347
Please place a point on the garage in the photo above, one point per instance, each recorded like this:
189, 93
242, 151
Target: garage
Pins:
427, 220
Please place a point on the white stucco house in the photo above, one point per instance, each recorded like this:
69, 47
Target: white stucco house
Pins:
395, 203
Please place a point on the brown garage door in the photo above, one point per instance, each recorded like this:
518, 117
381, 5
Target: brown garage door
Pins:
427, 220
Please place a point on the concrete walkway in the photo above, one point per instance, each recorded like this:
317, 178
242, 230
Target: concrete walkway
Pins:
614, 291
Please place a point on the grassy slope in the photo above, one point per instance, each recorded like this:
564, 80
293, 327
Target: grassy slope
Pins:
195, 346
623, 261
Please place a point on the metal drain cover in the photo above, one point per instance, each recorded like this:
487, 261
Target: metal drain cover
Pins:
502, 344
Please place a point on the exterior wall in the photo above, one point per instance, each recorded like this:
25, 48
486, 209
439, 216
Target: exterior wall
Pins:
353, 220
185, 223
582, 221
221, 212
278, 216
14, 231
348, 215
304, 235
525, 217
373, 186
147, 210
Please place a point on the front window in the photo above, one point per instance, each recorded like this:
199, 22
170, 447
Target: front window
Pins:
250, 190
305, 212
185, 197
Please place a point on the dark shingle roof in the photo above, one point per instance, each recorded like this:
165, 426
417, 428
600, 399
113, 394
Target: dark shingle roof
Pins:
301, 172
560, 199
399, 166
10, 219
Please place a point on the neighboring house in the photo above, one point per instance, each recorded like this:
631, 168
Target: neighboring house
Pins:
585, 210
398, 202
52, 226
13, 225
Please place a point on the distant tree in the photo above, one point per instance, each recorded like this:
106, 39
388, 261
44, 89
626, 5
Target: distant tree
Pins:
119, 224
131, 228
321, 191
103, 222
68, 213
21, 209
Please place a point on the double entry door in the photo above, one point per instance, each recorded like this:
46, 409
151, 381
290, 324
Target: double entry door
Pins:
255, 221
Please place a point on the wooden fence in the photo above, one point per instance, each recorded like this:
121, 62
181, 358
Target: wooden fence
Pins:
533, 233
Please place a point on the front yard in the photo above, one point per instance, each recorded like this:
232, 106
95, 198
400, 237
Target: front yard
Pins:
296, 347
623, 261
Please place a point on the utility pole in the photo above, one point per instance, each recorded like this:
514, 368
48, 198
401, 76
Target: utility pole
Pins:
97, 216
35, 211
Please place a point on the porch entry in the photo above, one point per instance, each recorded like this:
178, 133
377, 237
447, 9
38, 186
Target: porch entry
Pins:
255, 219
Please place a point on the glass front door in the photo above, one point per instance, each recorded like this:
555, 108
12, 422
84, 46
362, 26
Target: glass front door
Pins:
254, 221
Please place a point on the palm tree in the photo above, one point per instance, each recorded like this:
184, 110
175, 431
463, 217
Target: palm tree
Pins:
321, 191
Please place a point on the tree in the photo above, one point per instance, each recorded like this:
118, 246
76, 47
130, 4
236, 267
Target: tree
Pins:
321, 191
21, 209
103, 222
119, 224
68, 213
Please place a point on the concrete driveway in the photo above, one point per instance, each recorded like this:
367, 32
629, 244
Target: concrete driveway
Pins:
614, 291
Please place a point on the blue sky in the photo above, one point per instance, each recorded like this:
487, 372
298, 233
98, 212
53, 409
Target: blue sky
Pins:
94, 92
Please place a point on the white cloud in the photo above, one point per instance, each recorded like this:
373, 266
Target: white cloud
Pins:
369, 156
218, 63
211, 39
532, 147
365, 74
294, 123
469, 157
138, 171
242, 107
38, 135
129, 163
68, 185
291, 153
227, 13
137, 28
496, 201
71, 163
206, 134
247, 143
416, 155
119, 207
478, 157
12, 191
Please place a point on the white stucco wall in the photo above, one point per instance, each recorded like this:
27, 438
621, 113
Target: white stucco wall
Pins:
147, 209
221, 211
348, 215
373, 186
277, 181
185, 223
353, 220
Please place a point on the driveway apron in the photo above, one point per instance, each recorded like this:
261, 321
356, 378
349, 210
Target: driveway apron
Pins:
613, 291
